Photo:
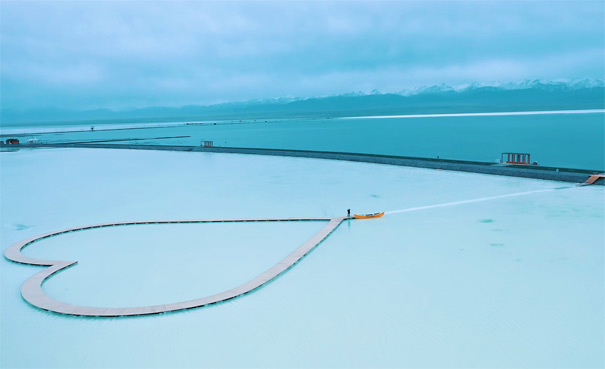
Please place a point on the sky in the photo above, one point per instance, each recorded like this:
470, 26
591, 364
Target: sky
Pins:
130, 54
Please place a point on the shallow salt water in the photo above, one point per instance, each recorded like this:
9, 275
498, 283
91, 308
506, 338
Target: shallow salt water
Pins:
557, 140
507, 282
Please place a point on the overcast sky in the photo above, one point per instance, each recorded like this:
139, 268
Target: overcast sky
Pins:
83, 55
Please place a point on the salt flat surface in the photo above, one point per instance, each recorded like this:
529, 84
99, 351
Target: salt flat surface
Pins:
147, 262
504, 282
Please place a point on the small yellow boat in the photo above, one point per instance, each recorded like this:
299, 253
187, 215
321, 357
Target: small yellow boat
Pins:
368, 216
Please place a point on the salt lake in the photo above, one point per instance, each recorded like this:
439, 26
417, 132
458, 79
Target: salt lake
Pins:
556, 140
503, 282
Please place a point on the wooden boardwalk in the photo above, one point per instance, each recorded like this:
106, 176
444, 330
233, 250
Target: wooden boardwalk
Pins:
33, 293
594, 178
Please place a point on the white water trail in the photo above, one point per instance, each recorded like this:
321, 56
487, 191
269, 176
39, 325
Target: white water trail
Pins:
468, 201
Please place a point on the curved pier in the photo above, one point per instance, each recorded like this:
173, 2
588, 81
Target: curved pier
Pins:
33, 293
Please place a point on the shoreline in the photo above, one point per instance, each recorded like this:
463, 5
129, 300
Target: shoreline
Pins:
84, 126
578, 176
494, 114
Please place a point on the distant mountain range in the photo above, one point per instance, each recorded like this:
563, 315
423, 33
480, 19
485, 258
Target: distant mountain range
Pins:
524, 96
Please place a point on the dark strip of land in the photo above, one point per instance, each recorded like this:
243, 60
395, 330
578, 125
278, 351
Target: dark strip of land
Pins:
34, 134
120, 139
524, 171
101, 129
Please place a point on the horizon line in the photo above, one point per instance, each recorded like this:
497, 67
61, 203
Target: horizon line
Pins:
540, 112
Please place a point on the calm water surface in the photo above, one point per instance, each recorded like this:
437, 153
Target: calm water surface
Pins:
558, 140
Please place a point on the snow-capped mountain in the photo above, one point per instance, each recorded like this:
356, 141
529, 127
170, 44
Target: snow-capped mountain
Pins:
474, 97
443, 88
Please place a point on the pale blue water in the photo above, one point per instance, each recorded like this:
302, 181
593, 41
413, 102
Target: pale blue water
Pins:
508, 282
557, 140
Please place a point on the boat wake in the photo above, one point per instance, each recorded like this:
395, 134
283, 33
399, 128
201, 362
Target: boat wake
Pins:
472, 200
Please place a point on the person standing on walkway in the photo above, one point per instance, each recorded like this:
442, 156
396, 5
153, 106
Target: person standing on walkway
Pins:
348, 213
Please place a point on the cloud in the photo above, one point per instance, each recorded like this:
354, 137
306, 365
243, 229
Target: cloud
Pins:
128, 54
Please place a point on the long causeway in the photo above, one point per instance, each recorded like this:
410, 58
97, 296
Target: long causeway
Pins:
524, 171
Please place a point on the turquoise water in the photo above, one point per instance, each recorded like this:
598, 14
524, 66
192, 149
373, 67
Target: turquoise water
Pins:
557, 140
504, 282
